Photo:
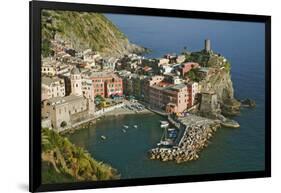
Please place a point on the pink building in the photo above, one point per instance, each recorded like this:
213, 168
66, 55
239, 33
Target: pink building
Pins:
186, 67
169, 97
106, 84
148, 83
192, 89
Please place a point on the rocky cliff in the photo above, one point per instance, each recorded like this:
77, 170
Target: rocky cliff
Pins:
84, 30
217, 80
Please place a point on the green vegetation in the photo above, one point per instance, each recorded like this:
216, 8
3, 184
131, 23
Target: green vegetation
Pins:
193, 75
46, 48
83, 30
99, 98
208, 59
227, 67
63, 124
63, 161
49, 175
200, 57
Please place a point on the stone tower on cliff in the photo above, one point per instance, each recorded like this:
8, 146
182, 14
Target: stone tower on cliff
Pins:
207, 45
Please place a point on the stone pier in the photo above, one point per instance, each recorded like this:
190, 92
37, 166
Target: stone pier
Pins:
195, 136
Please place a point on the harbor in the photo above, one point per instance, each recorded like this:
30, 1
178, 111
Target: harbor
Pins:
190, 136
128, 150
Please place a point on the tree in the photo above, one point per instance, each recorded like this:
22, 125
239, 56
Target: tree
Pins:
193, 75
63, 124
46, 48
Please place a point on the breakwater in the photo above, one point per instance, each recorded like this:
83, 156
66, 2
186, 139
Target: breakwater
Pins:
194, 135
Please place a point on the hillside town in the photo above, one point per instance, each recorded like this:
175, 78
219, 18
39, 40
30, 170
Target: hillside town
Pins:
76, 85
79, 87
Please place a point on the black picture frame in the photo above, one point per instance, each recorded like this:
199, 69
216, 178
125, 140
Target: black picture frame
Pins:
35, 94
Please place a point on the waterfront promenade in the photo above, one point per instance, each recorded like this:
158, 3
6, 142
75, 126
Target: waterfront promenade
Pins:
124, 107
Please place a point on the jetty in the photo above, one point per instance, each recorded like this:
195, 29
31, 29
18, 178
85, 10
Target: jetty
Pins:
193, 135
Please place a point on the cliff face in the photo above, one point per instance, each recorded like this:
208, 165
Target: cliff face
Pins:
217, 80
85, 30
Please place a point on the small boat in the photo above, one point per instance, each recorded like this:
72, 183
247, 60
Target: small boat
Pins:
135, 126
124, 130
103, 137
163, 143
126, 126
164, 124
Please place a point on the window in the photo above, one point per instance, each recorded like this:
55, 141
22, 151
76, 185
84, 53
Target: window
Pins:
76, 85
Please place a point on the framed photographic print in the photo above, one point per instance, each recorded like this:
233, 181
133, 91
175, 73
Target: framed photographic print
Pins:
124, 96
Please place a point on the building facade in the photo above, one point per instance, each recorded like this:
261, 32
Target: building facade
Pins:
106, 84
52, 87
76, 82
186, 67
169, 95
193, 90
170, 98
148, 82
63, 112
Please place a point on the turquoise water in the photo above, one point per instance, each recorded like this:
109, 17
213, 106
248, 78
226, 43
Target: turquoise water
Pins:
231, 150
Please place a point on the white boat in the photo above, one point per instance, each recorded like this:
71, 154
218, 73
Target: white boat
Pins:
124, 130
163, 143
126, 126
135, 126
164, 124
103, 137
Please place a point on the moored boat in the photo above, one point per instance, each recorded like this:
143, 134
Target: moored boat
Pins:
164, 124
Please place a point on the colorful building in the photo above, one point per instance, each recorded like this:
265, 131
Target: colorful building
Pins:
169, 97
186, 67
106, 84
163, 94
193, 90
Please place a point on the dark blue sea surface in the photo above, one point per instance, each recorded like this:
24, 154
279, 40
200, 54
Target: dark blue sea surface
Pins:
231, 150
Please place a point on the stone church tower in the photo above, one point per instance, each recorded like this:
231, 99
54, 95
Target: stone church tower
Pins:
76, 82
